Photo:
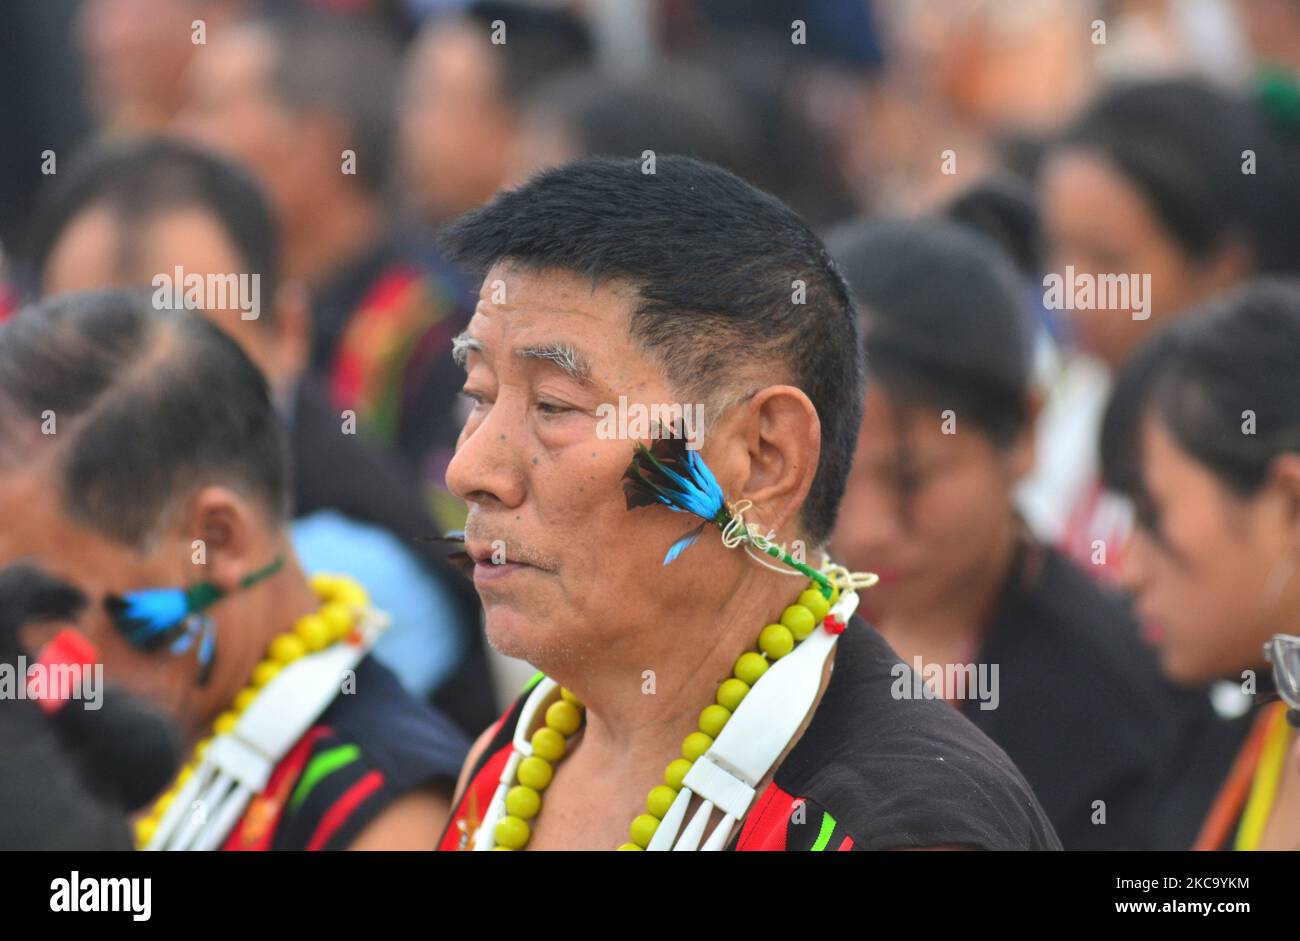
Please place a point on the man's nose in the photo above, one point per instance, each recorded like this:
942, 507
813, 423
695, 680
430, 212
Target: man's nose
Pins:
488, 463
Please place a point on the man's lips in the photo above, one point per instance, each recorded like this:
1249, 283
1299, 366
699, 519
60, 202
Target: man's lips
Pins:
492, 562
489, 553
486, 573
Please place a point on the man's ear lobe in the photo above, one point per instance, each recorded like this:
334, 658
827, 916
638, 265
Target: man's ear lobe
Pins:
220, 528
1286, 475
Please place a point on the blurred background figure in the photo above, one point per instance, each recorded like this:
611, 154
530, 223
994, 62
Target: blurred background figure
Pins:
1184, 186
137, 54
690, 110
168, 478
464, 93
1273, 31
270, 92
1203, 433
130, 211
947, 432
78, 759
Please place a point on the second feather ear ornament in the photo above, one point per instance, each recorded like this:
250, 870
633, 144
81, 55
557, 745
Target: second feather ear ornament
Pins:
670, 474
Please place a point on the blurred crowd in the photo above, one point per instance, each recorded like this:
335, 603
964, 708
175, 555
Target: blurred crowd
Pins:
1089, 528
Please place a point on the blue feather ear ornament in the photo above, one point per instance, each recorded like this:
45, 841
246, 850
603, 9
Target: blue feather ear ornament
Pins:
154, 618
201, 627
670, 474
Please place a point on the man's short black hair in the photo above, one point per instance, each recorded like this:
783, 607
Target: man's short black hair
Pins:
731, 284
148, 405
139, 179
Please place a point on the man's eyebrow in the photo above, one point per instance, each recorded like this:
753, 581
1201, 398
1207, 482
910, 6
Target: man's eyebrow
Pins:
564, 355
461, 345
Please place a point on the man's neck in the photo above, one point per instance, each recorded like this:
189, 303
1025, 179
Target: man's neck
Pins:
245, 633
641, 701
634, 729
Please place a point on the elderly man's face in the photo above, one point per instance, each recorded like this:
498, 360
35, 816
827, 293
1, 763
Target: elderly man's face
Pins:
544, 485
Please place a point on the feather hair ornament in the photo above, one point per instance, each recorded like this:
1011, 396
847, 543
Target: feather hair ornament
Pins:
670, 474
154, 617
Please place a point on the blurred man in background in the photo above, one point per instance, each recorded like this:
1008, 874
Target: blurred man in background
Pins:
143, 209
76, 760
168, 470
306, 103
138, 53
467, 79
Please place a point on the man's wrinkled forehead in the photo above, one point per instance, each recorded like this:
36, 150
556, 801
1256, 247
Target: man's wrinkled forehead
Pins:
551, 316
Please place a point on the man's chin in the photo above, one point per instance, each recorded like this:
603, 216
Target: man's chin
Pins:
511, 631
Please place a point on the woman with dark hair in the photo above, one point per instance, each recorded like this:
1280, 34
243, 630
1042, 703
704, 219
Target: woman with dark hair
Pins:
1177, 191
1052, 667
1203, 434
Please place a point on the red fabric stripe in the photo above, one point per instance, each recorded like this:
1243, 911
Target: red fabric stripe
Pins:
765, 825
280, 783
343, 807
846, 845
483, 786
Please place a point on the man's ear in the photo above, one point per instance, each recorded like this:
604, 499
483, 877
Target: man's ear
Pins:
221, 527
1285, 475
778, 435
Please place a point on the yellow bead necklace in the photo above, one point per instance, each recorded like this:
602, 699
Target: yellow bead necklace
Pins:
342, 600
564, 717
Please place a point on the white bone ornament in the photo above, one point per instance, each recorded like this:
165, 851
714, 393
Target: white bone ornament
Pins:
755, 736
725, 776
485, 836
239, 763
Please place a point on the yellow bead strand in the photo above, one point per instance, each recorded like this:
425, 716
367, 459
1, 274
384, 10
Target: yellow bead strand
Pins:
565, 716
797, 622
343, 599
550, 743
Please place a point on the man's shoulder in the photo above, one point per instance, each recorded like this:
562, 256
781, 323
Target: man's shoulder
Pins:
894, 770
403, 736
373, 745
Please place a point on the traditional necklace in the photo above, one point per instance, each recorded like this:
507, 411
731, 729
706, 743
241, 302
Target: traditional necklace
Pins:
342, 601
722, 770
564, 717
1265, 782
